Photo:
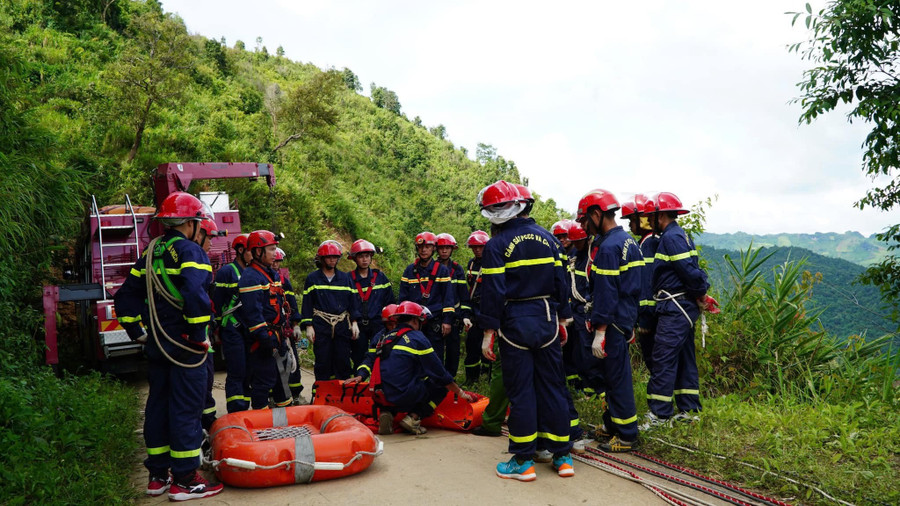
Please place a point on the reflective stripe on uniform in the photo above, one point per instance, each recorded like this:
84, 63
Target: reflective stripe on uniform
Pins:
185, 454
248, 289
261, 325
624, 421
553, 437
129, 319
327, 287
656, 397
675, 258
523, 439
414, 351
159, 450
687, 391
209, 410
648, 303
197, 319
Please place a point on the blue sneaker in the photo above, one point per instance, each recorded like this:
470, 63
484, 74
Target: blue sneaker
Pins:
515, 471
564, 466
304, 343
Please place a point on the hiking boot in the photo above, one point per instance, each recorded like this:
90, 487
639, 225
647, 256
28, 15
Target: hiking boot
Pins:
386, 423
543, 456
158, 485
651, 421
482, 431
513, 470
411, 425
564, 466
601, 433
196, 488
686, 417
617, 445
578, 447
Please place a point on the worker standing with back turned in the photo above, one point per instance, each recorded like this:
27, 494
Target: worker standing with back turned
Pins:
164, 303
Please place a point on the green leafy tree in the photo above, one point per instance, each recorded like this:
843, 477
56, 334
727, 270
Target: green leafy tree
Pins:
853, 47
439, 131
351, 80
152, 70
385, 98
279, 52
309, 109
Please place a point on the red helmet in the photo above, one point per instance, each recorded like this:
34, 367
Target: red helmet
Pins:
388, 312
261, 239
279, 254
560, 228
183, 206
500, 192
603, 199
629, 208
665, 202
360, 246
241, 241
576, 233
524, 192
478, 238
640, 202
329, 248
410, 308
211, 229
446, 240
426, 238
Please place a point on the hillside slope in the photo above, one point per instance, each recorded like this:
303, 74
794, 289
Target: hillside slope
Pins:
850, 246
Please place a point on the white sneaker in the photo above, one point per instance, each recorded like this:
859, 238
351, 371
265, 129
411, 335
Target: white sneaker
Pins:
651, 421
578, 447
300, 400
543, 456
686, 417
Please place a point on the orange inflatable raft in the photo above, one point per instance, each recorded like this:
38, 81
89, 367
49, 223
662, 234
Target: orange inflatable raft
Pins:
452, 413
301, 444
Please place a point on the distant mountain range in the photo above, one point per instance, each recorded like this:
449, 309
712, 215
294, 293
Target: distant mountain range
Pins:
849, 308
849, 246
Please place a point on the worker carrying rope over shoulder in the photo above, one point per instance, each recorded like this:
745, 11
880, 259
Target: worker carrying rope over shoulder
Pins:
329, 314
164, 303
263, 311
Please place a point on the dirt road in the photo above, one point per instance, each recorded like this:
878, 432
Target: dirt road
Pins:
440, 467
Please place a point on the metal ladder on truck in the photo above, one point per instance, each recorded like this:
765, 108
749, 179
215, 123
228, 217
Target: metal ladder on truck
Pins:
117, 230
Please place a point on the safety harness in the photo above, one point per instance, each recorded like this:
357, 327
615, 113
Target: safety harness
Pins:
275, 291
159, 283
426, 291
365, 294
663, 295
382, 351
233, 305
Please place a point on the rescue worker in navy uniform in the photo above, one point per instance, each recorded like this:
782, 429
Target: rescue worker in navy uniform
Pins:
615, 282
364, 371
373, 291
233, 333
262, 309
209, 230
330, 311
446, 244
427, 283
291, 329
173, 323
412, 376
640, 227
679, 289
472, 363
589, 368
571, 354
523, 288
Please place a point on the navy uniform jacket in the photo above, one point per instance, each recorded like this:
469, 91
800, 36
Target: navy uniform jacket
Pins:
473, 281
647, 306
365, 367
615, 280
522, 261
578, 262
189, 270
410, 361
676, 266
225, 293
460, 289
257, 286
381, 293
291, 298
441, 298
333, 297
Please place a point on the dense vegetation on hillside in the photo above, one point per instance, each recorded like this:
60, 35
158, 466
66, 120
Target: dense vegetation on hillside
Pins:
848, 308
850, 246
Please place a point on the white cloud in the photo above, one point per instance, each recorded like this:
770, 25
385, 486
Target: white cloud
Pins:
690, 97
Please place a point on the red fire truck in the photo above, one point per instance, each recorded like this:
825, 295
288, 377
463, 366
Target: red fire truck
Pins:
113, 239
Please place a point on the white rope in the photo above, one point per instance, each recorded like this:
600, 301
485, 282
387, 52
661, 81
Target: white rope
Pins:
656, 488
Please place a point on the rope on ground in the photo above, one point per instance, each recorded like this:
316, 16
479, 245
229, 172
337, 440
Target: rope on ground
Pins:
615, 471
764, 471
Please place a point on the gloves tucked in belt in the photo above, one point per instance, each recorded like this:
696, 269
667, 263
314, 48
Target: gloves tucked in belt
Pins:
487, 345
297, 332
311, 334
354, 331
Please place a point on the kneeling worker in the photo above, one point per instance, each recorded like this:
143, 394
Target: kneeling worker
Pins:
413, 378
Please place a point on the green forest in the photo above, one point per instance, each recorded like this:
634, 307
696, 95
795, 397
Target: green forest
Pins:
850, 246
94, 94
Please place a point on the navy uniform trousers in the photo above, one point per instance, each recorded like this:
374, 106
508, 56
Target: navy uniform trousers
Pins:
535, 383
620, 417
235, 351
674, 361
332, 349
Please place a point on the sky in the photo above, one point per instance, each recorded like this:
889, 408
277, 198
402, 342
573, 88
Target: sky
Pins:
691, 97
